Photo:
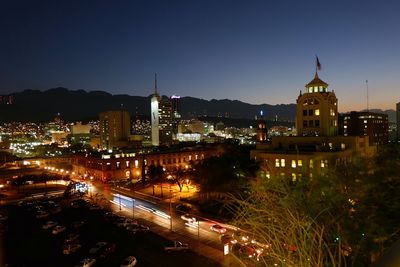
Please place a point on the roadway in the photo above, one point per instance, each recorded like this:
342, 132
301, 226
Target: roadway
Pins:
158, 213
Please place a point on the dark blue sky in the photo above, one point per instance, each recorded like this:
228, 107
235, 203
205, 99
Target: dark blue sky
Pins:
254, 51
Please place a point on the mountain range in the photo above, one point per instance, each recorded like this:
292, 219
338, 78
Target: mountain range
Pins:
75, 105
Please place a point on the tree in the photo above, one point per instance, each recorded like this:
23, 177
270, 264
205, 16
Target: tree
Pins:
346, 217
180, 176
156, 175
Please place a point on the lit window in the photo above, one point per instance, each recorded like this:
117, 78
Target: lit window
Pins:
311, 164
316, 112
293, 177
127, 163
343, 146
293, 163
190, 157
268, 175
322, 163
136, 163
282, 162
277, 163
118, 164
196, 157
299, 163
316, 89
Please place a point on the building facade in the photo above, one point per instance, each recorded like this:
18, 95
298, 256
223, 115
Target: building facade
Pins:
116, 166
398, 121
316, 113
371, 124
115, 128
165, 121
317, 146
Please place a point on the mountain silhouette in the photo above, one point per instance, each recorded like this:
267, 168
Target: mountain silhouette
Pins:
73, 105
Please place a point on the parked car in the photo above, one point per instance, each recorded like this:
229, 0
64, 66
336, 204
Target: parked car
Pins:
108, 249
49, 224
227, 238
97, 247
177, 246
58, 229
129, 262
77, 224
71, 238
183, 208
86, 263
71, 248
218, 228
41, 215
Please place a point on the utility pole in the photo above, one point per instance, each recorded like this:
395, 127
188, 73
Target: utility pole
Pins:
170, 209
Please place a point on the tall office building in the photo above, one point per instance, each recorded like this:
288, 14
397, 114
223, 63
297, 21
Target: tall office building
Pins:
398, 120
155, 99
262, 131
176, 114
317, 146
365, 123
165, 120
317, 110
114, 129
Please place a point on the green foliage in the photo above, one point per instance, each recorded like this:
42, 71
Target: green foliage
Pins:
352, 212
227, 173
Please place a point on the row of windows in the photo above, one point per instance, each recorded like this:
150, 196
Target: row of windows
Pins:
310, 101
310, 112
311, 123
162, 161
316, 89
281, 163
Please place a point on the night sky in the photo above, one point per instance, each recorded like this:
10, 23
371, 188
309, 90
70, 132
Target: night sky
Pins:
253, 51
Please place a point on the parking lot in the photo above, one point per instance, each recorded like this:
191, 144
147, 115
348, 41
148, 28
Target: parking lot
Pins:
25, 242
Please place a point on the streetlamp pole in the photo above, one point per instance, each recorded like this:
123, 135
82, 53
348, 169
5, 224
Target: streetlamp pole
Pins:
170, 209
133, 208
119, 202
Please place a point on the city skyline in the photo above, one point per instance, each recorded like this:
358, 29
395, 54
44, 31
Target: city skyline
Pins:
256, 53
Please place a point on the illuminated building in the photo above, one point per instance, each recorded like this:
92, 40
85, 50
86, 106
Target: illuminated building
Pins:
398, 120
155, 99
262, 132
176, 114
128, 165
317, 110
317, 146
114, 129
374, 125
165, 121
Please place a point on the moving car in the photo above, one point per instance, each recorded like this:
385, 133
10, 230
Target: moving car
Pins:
218, 228
188, 217
129, 262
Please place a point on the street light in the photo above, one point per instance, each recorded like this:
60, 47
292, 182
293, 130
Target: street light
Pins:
133, 208
119, 202
170, 208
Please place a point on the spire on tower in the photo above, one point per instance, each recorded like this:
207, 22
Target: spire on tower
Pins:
155, 83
